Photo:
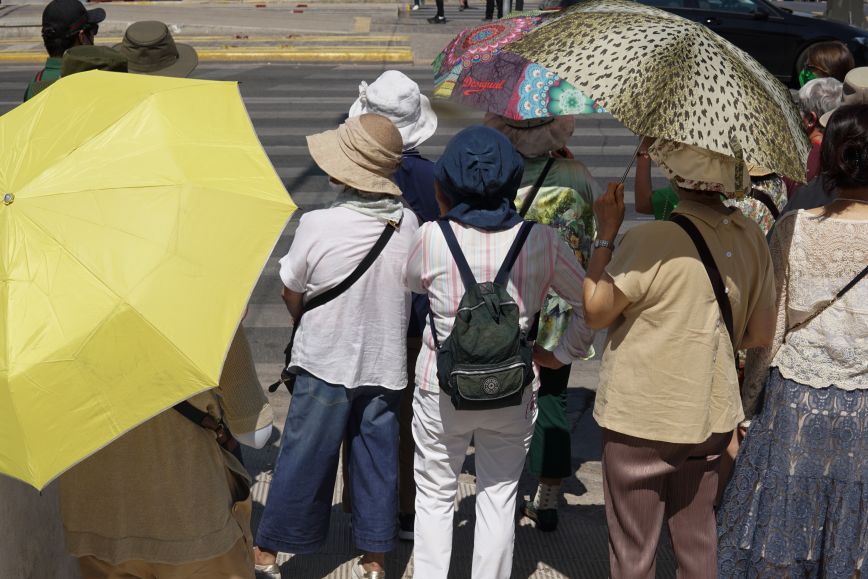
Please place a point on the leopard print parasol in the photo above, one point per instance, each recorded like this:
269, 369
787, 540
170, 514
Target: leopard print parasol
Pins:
664, 76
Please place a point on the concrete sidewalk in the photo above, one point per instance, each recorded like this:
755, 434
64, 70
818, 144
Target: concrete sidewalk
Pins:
241, 31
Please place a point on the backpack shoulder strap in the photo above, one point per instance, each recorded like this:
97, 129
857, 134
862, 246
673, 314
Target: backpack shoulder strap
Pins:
460, 261
512, 256
711, 269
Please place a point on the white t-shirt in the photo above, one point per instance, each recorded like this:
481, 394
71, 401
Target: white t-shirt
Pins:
359, 338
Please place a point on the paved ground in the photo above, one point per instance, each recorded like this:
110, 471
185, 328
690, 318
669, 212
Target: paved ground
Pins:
287, 102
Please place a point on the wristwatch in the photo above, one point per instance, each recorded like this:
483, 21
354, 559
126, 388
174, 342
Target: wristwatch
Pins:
604, 243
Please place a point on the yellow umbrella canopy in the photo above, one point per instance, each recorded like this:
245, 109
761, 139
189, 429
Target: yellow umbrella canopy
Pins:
137, 214
664, 76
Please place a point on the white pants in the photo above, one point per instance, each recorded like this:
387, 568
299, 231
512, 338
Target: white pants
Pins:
442, 434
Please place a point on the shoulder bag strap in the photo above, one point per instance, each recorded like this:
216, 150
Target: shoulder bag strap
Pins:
512, 256
208, 422
332, 293
711, 269
766, 200
531, 195
838, 296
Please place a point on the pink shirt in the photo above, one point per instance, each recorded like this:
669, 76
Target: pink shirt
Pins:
544, 262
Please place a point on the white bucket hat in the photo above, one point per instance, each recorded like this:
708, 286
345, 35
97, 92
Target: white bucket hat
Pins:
395, 96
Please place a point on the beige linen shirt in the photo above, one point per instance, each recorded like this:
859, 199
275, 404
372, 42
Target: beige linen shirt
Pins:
668, 372
160, 492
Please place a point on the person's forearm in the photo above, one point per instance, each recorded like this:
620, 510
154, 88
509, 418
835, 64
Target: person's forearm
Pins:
643, 185
294, 302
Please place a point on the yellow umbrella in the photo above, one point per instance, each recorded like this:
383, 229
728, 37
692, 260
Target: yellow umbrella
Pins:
137, 214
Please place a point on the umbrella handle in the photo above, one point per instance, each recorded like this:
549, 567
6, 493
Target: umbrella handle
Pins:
632, 160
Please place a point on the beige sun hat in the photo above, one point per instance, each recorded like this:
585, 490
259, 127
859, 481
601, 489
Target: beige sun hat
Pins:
699, 169
364, 152
855, 91
534, 137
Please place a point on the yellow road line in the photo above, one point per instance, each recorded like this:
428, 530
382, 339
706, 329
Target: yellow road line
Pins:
228, 37
331, 54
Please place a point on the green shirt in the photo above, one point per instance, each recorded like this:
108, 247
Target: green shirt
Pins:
663, 201
51, 71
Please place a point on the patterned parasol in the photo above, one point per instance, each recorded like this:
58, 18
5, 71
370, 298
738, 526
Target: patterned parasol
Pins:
664, 76
474, 71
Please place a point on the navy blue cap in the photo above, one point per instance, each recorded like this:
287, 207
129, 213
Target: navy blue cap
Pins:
479, 167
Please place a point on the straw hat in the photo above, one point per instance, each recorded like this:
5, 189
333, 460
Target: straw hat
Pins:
534, 137
150, 49
699, 169
363, 153
395, 96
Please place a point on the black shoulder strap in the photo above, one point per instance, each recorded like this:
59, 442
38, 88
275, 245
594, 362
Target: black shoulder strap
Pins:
331, 293
853, 282
711, 269
466, 275
514, 250
531, 195
766, 200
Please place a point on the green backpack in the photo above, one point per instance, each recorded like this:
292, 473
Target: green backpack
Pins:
487, 361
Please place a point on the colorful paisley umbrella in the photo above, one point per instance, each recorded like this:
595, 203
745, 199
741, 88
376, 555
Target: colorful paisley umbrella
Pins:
474, 71
664, 76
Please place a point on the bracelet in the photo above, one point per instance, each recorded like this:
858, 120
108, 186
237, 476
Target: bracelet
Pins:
610, 245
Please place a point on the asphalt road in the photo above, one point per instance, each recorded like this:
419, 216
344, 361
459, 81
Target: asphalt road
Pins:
288, 102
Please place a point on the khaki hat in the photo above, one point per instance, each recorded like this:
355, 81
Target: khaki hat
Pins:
758, 171
84, 58
698, 169
534, 137
150, 49
855, 91
363, 153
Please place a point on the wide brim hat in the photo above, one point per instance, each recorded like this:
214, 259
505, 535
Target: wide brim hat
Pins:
854, 91
363, 153
534, 137
699, 169
150, 49
397, 97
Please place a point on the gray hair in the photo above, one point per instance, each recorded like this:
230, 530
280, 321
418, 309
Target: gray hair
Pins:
820, 96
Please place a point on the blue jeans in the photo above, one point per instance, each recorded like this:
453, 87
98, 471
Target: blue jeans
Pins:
296, 517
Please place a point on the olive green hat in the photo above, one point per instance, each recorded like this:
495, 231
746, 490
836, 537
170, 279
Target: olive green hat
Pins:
150, 49
84, 58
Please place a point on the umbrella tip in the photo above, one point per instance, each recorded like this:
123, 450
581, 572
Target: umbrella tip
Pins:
8, 198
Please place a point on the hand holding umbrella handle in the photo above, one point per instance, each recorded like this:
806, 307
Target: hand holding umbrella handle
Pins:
609, 211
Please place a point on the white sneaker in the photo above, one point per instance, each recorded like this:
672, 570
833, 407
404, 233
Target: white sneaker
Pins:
267, 571
360, 573
414, 7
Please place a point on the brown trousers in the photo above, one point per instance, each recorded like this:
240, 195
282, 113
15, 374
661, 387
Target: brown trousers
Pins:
406, 445
237, 563
645, 481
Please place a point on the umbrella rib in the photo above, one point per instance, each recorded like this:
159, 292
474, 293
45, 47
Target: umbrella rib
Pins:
110, 290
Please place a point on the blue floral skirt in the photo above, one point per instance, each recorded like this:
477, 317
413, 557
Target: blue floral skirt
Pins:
797, 503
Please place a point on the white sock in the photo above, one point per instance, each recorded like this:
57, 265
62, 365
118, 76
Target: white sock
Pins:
546, 497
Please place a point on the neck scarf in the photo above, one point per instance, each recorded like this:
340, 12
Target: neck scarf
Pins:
386, 208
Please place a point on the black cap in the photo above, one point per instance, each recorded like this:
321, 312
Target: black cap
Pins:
62, 18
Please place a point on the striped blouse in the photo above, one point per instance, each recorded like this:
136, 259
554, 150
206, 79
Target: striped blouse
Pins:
544, 262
